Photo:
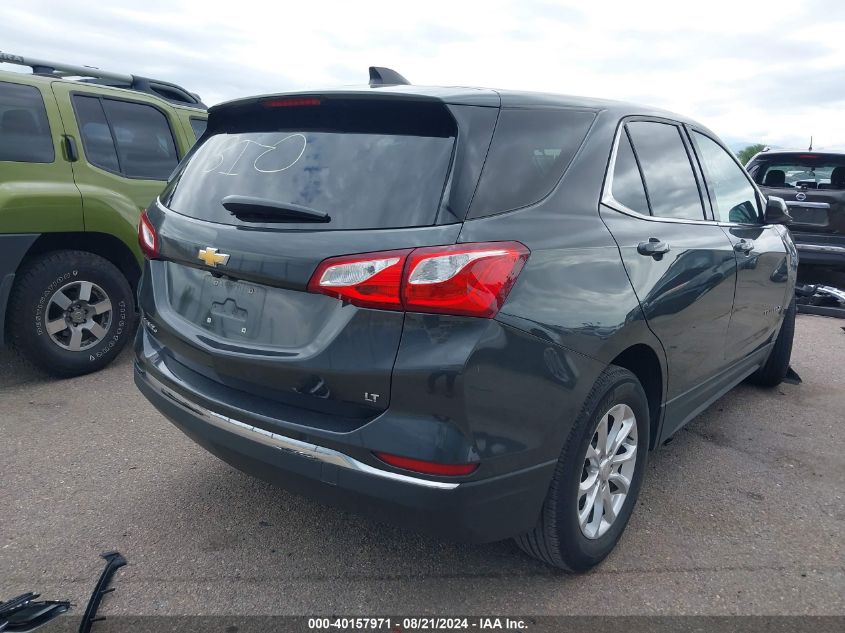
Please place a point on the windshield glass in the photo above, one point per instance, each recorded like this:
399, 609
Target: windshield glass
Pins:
358, 162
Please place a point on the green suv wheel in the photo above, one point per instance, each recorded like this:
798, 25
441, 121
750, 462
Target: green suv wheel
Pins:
71, 312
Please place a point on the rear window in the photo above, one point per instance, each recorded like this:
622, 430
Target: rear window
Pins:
365, 163
24, 130
530, 150
813, 171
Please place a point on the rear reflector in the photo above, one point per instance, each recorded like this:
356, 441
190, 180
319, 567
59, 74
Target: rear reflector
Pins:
428, 468
462, 279
147, 237
291, 102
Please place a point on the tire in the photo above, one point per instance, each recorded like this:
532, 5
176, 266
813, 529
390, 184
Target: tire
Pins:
558, 538
36, 307
773, 371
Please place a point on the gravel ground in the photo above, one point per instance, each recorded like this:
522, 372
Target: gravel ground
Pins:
741, 514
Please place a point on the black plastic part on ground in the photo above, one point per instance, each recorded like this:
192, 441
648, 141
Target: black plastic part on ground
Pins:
24, 613
114, 560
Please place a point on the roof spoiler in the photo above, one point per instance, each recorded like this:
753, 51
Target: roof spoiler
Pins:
380, 76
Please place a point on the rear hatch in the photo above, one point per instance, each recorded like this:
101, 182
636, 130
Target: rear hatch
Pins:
276, 186
813, 185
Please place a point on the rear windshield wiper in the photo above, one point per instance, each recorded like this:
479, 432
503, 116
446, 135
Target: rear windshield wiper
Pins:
249, 209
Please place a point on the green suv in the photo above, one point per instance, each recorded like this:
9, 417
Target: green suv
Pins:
79, 161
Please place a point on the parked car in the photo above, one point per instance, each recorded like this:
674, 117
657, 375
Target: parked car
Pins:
78, 162
469, 311
813, 185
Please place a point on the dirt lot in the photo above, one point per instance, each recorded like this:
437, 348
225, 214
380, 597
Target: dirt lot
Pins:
741, 514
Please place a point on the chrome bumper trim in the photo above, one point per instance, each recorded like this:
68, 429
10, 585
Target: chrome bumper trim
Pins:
818, 248
304, 449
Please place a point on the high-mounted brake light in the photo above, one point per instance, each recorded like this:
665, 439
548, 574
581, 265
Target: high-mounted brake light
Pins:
427, 468
291, 102
147, 237
463, 279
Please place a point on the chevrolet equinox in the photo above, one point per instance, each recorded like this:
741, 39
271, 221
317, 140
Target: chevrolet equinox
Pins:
469, 311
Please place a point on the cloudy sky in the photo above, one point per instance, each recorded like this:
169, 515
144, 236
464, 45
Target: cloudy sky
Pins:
772, 71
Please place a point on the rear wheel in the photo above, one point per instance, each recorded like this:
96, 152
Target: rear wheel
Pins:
597, 479
71, 312
774, 370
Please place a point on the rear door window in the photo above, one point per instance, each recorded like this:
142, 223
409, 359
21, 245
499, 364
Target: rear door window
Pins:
24, 130
366, 163
144, 141
97, 141
129, 138
627, 184
734, 198
530, 150
669, 178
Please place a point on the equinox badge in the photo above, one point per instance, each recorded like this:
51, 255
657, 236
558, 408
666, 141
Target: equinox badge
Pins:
211, 257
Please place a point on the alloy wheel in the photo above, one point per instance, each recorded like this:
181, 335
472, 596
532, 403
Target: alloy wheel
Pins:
608, 470
78, 315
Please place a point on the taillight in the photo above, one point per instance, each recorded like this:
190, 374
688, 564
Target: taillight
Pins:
471, 279
464, 279
426, 467
370, 279
147, 237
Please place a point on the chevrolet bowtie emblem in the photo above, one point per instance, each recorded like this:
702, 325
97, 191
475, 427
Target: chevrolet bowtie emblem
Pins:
211, 257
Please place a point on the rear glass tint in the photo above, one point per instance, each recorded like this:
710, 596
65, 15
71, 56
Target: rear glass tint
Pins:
198, 126
366, 163
669, 179
812, 171
530, 150
24, 130
627, 182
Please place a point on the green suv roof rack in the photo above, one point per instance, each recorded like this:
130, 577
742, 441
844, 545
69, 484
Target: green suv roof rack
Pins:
88, 74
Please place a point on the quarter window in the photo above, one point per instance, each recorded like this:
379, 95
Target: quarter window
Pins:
198, 126
627, 185
733, 197
528, 155
24, 130
669, 179
133, 139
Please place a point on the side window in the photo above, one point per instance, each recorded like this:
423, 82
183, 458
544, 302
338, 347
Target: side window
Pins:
24, 130
132, 139
198, 125
627, 184
528, 154
144, 141
96, 137
734, 199
669, 179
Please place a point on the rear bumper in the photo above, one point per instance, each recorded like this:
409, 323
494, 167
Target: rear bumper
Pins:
475, 511
821, 250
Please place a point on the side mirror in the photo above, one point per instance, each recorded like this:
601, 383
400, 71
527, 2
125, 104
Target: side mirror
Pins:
776, 211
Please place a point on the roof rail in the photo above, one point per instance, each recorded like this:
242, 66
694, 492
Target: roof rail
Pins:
166, 90
380, 76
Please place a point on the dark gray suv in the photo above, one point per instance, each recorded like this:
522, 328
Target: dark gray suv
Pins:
470, 311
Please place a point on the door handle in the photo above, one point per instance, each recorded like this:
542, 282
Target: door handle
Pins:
70, 149
744, 246
653, 248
